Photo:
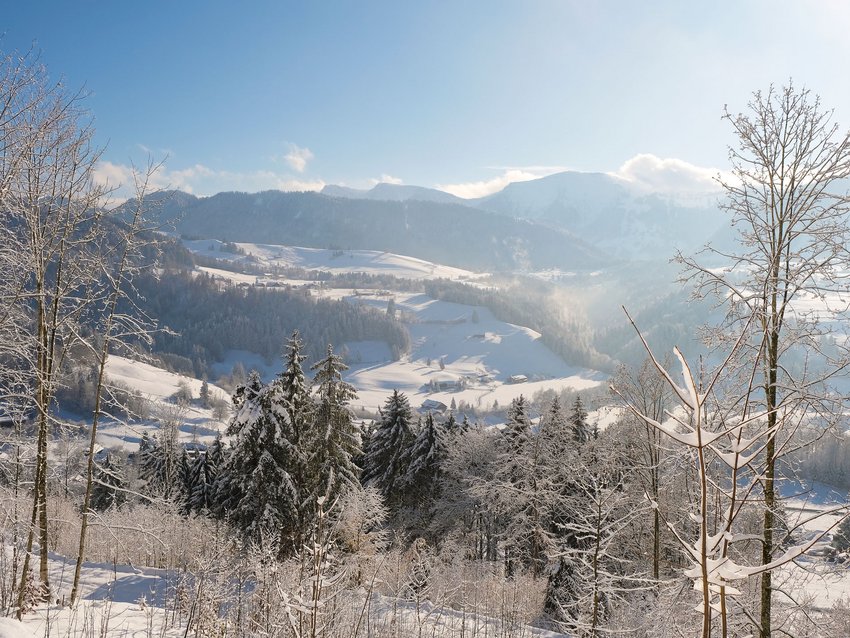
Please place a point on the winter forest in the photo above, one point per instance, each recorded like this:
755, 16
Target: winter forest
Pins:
195, 439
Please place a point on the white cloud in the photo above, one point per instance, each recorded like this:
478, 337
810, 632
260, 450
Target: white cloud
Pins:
653, 174
471, 190
298, 157
386, 179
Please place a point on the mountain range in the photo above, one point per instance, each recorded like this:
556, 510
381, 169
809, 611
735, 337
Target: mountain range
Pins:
569, 220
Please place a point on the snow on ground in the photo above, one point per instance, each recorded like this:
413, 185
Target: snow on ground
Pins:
335, 261
229, 275
815, 578
459, 352
11, 628
152, 382
115, 600
123, 600
463, 353
157, 386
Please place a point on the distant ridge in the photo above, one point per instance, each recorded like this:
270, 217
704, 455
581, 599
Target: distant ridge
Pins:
394, 193
446, 233
605, 211
568, 220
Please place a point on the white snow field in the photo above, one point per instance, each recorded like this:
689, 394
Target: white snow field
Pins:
132, 602
455, 357
814, 578
115, 600
157, 386
371, 262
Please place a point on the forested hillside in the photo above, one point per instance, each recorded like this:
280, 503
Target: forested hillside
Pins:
445, 233
206, 317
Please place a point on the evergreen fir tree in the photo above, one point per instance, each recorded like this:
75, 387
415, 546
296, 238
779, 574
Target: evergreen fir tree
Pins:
334, 438
563, 588
296, 389
385, 464
841, 537
204, 394
228, 484
258, 493
299, 406
184, 480
451, 426
578, 419
153, 467
515, 437
366, 432
205, 472
198, 499
426, 458
109, 484
523, 502
556, 431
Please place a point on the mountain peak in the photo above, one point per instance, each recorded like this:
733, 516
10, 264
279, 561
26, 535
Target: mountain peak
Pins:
384, 191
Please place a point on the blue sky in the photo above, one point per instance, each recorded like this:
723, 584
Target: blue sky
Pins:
463, 95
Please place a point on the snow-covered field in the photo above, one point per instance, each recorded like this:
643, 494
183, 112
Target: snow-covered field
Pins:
459, 353
814, 578
157, 386
115, 600
133, 602
369, 262
463, 353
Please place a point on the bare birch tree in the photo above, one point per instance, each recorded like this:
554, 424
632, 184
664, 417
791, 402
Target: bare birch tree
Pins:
51, 210
122, 257
782, 286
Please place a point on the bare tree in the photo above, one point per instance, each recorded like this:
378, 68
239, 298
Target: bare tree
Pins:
122, 257
725, 434
648, 391
50, 243
781, 287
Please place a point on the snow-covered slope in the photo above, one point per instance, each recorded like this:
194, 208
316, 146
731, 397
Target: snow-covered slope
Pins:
461, 353
335, 261
611, 214
156, 387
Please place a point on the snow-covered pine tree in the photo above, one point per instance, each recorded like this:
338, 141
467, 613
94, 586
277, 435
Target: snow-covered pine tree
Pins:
228, 484
109, 484
334, 438
557, 455
578, 419
426, 459
515, 438
299, 407
598, 572
184, 481
526, 495
450, 425
204, 394
154, 467
205, 471
556, 430
386, 461
143, 456
260, 497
